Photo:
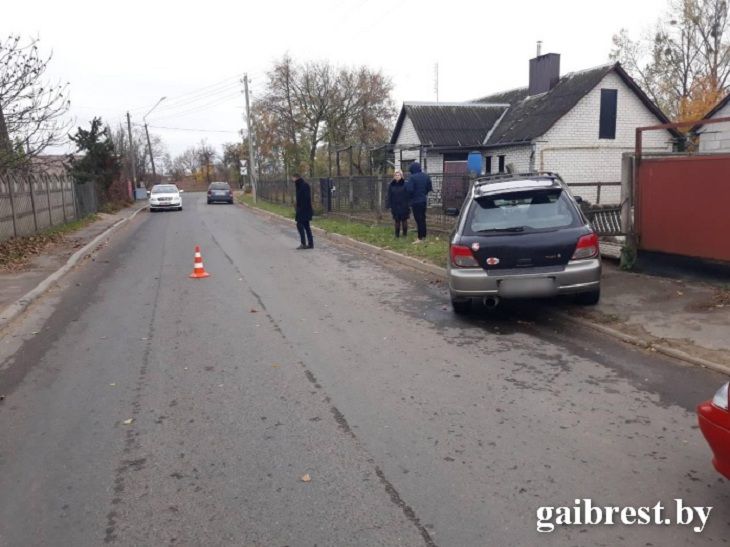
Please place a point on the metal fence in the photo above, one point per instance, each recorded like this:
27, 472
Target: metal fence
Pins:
364, 197
31, 202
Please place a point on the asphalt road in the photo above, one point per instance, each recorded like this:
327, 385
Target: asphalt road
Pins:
414, 426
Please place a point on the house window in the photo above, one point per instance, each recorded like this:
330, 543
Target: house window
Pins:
501, 164
607, 125
488, 166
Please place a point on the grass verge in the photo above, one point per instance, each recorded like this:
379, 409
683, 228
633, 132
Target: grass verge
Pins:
434, 249
17, 251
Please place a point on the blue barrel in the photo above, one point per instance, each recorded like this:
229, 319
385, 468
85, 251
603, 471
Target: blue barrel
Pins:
474, 162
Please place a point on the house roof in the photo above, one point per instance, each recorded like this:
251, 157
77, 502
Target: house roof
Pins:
532, 116
526, 118
450, 124
719, 106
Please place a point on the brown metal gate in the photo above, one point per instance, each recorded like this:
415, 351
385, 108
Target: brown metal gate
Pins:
683, 205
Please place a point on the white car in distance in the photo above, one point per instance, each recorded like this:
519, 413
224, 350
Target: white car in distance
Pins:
165, 196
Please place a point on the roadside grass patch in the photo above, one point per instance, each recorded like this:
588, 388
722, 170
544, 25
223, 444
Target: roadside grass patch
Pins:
434, 249
17, 251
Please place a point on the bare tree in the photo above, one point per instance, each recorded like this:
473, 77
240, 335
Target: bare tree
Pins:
32, 109
306, 106
684, 63
206, 158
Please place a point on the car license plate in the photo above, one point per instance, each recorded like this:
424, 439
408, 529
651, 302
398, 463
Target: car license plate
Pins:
528, 287
221, 193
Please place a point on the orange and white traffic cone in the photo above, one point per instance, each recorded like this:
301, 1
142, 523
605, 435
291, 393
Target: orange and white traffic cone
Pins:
198, 269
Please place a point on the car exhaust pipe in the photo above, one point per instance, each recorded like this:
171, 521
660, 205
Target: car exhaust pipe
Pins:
491, 302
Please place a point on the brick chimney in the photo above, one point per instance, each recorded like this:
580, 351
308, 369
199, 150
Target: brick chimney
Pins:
544, 73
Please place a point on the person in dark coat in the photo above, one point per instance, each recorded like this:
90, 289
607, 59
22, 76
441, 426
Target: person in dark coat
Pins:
418, 186
397, 202
303, 206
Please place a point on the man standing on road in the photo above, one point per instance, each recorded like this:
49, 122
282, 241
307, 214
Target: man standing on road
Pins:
303, 207
418, 186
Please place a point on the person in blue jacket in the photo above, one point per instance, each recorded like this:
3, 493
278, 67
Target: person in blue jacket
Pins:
418, 186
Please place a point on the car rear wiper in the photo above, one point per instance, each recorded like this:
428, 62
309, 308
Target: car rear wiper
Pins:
512, 229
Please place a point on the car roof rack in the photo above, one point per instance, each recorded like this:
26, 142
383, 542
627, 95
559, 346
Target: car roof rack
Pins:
501, 177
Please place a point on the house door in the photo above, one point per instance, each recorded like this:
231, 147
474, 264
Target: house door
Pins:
455, 184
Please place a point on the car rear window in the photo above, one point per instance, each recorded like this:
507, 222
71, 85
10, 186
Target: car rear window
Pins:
530, 211
219, 186
167, 189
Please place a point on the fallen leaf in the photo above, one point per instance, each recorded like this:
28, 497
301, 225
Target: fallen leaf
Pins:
112, 384
275, 365
254, 310
128, 422
306, 478
679, 293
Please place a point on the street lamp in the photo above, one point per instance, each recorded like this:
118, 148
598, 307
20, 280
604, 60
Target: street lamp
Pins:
149, 144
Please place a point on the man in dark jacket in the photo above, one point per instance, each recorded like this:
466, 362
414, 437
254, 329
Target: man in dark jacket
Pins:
418, 186
303, 205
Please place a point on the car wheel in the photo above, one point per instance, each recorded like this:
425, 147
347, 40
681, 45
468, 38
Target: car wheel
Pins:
461, 307
588, 298
179, 208
209, 202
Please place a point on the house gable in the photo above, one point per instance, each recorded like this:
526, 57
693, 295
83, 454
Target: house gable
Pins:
580, 125
530, 117
715, 138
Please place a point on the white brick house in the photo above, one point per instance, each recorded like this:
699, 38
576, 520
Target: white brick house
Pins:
715, 138
577, 125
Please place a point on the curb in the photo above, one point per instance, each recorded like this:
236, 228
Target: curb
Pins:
441, 272
14, 309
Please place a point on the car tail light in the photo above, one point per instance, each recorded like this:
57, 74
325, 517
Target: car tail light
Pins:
720, 398
587, 247
463, 257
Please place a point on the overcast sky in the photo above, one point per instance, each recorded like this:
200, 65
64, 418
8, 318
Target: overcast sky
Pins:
126, 55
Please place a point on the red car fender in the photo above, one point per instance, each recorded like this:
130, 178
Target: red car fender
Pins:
715, 426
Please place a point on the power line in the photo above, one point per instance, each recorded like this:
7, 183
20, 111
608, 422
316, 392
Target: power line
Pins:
189, 129
198, 108
191, 101
198, 91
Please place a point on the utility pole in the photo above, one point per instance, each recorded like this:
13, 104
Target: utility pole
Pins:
149, 144
131, 151
152, 158
436, 80
251, 161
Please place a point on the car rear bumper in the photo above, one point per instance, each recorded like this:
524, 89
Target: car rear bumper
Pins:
578, 276
220, 199
717, 436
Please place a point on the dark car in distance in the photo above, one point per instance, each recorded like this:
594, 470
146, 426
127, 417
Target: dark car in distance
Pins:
220, 192
522, 236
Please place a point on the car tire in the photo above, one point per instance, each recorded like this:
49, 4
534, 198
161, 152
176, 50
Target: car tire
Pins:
179, 208
461, 307
588, 298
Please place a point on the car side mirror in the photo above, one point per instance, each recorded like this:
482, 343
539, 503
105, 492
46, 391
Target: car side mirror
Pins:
451, 212
149, 193
181, 191
578, 199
